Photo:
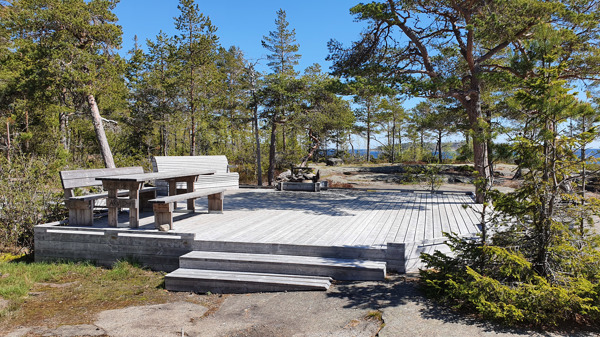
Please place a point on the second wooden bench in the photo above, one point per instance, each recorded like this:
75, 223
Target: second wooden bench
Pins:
81, 208
163, 207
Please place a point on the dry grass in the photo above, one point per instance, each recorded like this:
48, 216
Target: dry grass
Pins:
333, 184
53, 294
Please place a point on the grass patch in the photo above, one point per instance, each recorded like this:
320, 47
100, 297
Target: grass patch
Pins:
375, 315
52, 294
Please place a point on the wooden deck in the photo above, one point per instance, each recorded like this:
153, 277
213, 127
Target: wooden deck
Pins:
334, 218
352, 219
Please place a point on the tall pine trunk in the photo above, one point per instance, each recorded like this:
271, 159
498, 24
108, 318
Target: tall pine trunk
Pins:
439, 146
257, 140
472, 104
100, 134
271, 172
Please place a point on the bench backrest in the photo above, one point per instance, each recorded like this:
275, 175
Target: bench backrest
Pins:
84, 178
173, 163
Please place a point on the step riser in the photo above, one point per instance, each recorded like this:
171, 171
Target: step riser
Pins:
228, 287
373, 254
336, 272
241, 282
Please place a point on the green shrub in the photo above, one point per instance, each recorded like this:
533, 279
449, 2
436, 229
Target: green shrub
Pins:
501, 285
30, 194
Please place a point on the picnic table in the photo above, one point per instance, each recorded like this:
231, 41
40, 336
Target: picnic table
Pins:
133, 183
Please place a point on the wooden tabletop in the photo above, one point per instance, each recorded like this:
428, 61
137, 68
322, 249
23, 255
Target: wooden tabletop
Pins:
141, 177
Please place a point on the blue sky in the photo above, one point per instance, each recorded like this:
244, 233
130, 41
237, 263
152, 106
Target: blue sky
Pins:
244, 23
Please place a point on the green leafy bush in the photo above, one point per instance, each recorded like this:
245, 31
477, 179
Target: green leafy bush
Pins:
29, 195
501, 285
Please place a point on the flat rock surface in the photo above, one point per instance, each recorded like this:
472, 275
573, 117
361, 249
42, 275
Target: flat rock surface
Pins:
157, 320
344, 310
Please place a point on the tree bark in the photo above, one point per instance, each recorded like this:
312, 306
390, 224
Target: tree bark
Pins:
63, 130
488, 140
393, 139
100, 134
439, 146
312, 150
271, 172
193, 135
8, 140
27, 129
368, 132
472, 104
257, 140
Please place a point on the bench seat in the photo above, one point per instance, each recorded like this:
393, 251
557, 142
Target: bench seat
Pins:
222, 178
104, 195
163, 206
81, 208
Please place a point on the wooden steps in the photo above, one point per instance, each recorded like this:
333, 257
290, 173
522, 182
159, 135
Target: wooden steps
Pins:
227, 282
339, 269
224, 272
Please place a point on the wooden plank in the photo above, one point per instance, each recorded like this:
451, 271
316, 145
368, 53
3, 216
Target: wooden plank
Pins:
248, 227
473, 212
371, 208
365, 236
416, 220
104, 248
83, 178
105, 194
293, 225
339, 223
174, 163
340, 212
398, 230
388, 222
141, 177
186, 196
308, 228
454, 217
331, 214
433, 219
446, 217
461, 216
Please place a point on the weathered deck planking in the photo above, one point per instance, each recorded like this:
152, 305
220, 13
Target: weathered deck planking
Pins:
334, 220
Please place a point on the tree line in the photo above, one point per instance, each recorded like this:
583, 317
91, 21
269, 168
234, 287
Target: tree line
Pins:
186, 94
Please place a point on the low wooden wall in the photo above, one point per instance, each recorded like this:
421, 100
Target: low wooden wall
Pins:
158, 251
161, 250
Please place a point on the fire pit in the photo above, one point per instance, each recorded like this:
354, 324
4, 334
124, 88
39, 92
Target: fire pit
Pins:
300, 179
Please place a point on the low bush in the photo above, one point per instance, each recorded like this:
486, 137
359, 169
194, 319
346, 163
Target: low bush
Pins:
501, 285
30, 194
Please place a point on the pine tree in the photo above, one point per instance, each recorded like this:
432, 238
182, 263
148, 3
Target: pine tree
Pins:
197, 49
72, 45
281, 43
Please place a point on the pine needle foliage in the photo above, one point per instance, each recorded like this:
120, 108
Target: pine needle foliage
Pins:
540, 263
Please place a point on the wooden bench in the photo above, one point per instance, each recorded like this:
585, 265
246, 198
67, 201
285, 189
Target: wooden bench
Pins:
163, 207
81, 208
223, 177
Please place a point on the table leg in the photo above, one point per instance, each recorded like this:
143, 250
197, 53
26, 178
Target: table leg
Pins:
190, 188
134, 206
172, 186
113, 209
